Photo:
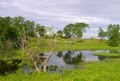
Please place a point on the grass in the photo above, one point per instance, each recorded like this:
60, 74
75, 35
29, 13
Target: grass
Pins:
95, 71
13, 54
85, 44
108, 54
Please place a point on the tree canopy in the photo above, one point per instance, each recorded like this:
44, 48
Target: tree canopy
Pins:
76, 29
102, 34
114, 34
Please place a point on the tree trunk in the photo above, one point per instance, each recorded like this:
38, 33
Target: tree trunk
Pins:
46, 61
36, 67
22, 44
45, 67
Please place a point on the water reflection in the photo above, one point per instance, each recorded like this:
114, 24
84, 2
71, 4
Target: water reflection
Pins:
102, 58
60, 54
68, 59
7, 67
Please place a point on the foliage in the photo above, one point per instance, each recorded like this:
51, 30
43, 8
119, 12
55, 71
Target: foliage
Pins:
76, 29
40, 29
50, 31
18, 30
34, 52
114, 34
60, 34
102, 34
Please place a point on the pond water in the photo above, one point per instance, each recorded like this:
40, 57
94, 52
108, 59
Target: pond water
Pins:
69, 59
58, 61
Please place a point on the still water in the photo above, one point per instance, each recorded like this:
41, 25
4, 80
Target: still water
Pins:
69, 59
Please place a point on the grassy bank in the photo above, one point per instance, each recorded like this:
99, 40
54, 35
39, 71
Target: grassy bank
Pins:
107, 54
96, 71
13, 54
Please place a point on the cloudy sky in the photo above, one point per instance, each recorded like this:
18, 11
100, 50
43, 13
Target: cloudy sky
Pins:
58, 13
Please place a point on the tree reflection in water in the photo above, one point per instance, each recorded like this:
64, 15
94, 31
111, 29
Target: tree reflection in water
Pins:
69, 59
102, 58
60, 54
9, 66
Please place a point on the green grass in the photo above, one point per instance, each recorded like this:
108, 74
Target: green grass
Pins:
95, 71
13, 54
107, 54
84, 45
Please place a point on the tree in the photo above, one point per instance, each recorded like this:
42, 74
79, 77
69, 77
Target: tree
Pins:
36, 47
29, 28
68, 30
50, 31
68, 59
60, 31
76, 29
8, 35
40, 29
59, 34
114, 34
19, 23
102, 34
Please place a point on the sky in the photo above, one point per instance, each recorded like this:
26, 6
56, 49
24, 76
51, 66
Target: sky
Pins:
59, 13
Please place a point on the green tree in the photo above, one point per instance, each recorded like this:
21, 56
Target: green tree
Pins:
34, 52
76, 29
68, 30
40, 29
114, 34
29, 28
59, 34
50, 31
7, 35
102, 34
19, 23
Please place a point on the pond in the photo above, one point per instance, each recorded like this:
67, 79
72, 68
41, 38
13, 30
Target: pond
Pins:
69, 59
57, 62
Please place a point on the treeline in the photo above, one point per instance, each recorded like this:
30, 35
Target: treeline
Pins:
16, 31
